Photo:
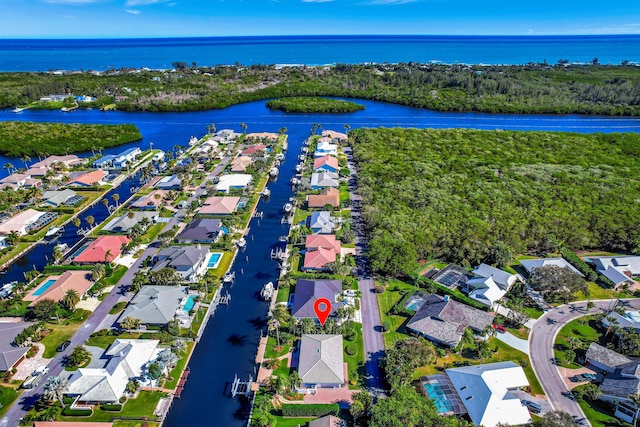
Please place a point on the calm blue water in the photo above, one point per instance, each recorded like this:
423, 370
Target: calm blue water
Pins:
102, 54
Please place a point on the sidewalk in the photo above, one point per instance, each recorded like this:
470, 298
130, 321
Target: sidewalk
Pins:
513, 341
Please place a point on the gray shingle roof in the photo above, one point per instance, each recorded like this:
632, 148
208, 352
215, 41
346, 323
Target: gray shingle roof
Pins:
321, 359
308, 291
124, 223
322, 221
619, 386
603, 355
10, 354
501, 277
445, 320
155, 305
201, 230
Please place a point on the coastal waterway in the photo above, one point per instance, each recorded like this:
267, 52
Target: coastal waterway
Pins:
228, 345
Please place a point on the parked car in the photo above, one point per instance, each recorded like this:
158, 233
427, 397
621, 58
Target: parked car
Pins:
500, 328
43, 369
569, 395
63, 346
533, 406
585, 377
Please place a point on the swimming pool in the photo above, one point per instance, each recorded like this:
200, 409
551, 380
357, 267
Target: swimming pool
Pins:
189, 304
439, 398
42, 289
79, 251
214, 260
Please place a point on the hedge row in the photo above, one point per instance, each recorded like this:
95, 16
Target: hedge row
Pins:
312, 410
111, 407
67, 411
579, 264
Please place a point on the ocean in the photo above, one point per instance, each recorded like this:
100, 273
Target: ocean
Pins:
160, 53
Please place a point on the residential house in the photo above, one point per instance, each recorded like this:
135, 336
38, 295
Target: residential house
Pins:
325, 164
124, 223
11, 355
188, 261
233, 182
317, 259
55, 287
156, 305
325, 148
334, 135
328, 196
260, 136
125, 360
88, 179
16, 181
489, 284
172, 182
26, 221
308, 291
327, 241
620, 270
321, 222
219, 205
241, 163
59, 198
56, 97
127, 157
630, 320
226, 136
443, 320
104, 162
487, 392
530, 264
68, 161
321, 180
321, 361
202, 230
622, 379
103, 249
254, 150
153, 200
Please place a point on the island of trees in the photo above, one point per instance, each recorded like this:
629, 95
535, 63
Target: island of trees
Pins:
307, 104
468, 195
532, 88
19, 139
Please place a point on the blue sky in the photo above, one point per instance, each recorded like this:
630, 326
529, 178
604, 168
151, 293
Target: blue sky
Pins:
174, 18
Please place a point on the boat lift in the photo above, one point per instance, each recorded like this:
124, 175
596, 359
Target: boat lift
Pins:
241, 387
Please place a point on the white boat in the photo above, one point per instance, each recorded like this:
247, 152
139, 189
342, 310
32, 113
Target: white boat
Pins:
302, 157
229, 277
305, 142
62, 247
53, 231
287, 207
266, 192
274, 172
285, 146
280, 157
295, 181
17, 110
241, 243
267, 291
299, 168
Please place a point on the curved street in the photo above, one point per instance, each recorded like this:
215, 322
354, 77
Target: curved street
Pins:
541, 345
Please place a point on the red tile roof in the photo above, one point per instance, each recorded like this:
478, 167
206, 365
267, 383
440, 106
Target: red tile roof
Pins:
317, 259
97, 250
253, 149
89, 178
326, 241
325, 160
328, 196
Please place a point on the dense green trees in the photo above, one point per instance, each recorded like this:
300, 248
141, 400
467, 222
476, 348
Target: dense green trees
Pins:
307, 104
556, 284
532, 88
19, 139
471, 196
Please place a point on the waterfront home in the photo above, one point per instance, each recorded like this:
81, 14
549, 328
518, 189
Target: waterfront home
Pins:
126, 158
103, 249
487, 392
66, 161
226, 136
328, 196
321, 362
325, 148
104, 162
10, 354
334, 135
26, 221
157, 305
326, 241
190, 262
62, 197
88, 179
325, 164
219, 205
55, 287
321, 222
241, 163
254, 150
126, 359
16, 181
233, 182
318, 258
124, 223
260, 136
56, 97
443, 320
153, 200
619, 269
172, 182
530, 264
202, 230
308, 291
320, 180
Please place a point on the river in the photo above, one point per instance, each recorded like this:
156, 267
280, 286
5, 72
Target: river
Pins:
230, 340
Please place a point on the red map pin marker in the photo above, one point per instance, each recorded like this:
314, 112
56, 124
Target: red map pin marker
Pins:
322, 307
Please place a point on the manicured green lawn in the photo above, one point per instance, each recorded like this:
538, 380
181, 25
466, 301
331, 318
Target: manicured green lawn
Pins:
115, 276
14, 251
270, 353
122, 423
223, 266
300, 215
595, 413
8, 395
142, 406
292, 422
152, 232
532, 312
586, 333
118, 307
106, 340
179, 368
396, 290
356, 362
63, 331
283, 294
595, 292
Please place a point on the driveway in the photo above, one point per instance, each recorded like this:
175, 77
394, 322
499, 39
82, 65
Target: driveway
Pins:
513, 341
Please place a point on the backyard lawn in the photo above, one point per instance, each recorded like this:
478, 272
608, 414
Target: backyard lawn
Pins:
599, 415
152, 232
63, 331
7, 396
223, 266
179, 368
142, 406
396, 290
586, 333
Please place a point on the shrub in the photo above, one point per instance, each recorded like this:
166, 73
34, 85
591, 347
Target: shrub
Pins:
312, 410
386, 326
579, 264
111, 407
68, 412
380, 289
349, 334
351, 349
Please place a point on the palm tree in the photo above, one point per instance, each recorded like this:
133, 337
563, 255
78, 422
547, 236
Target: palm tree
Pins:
129, 323
574, 342
57, 254
108, 256
346, 128
76, 221
244, 127
105, 202
116, 198
26, 159
70, 299
54, 389
8, 166
90, 220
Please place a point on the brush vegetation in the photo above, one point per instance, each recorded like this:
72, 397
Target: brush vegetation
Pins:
306, 104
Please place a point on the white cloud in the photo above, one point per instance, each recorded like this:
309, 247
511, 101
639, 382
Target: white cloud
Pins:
316, 1
386, 2
130, 3
133, 12
72, 2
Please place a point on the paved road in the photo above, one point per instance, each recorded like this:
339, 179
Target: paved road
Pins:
371, 324
541, 340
